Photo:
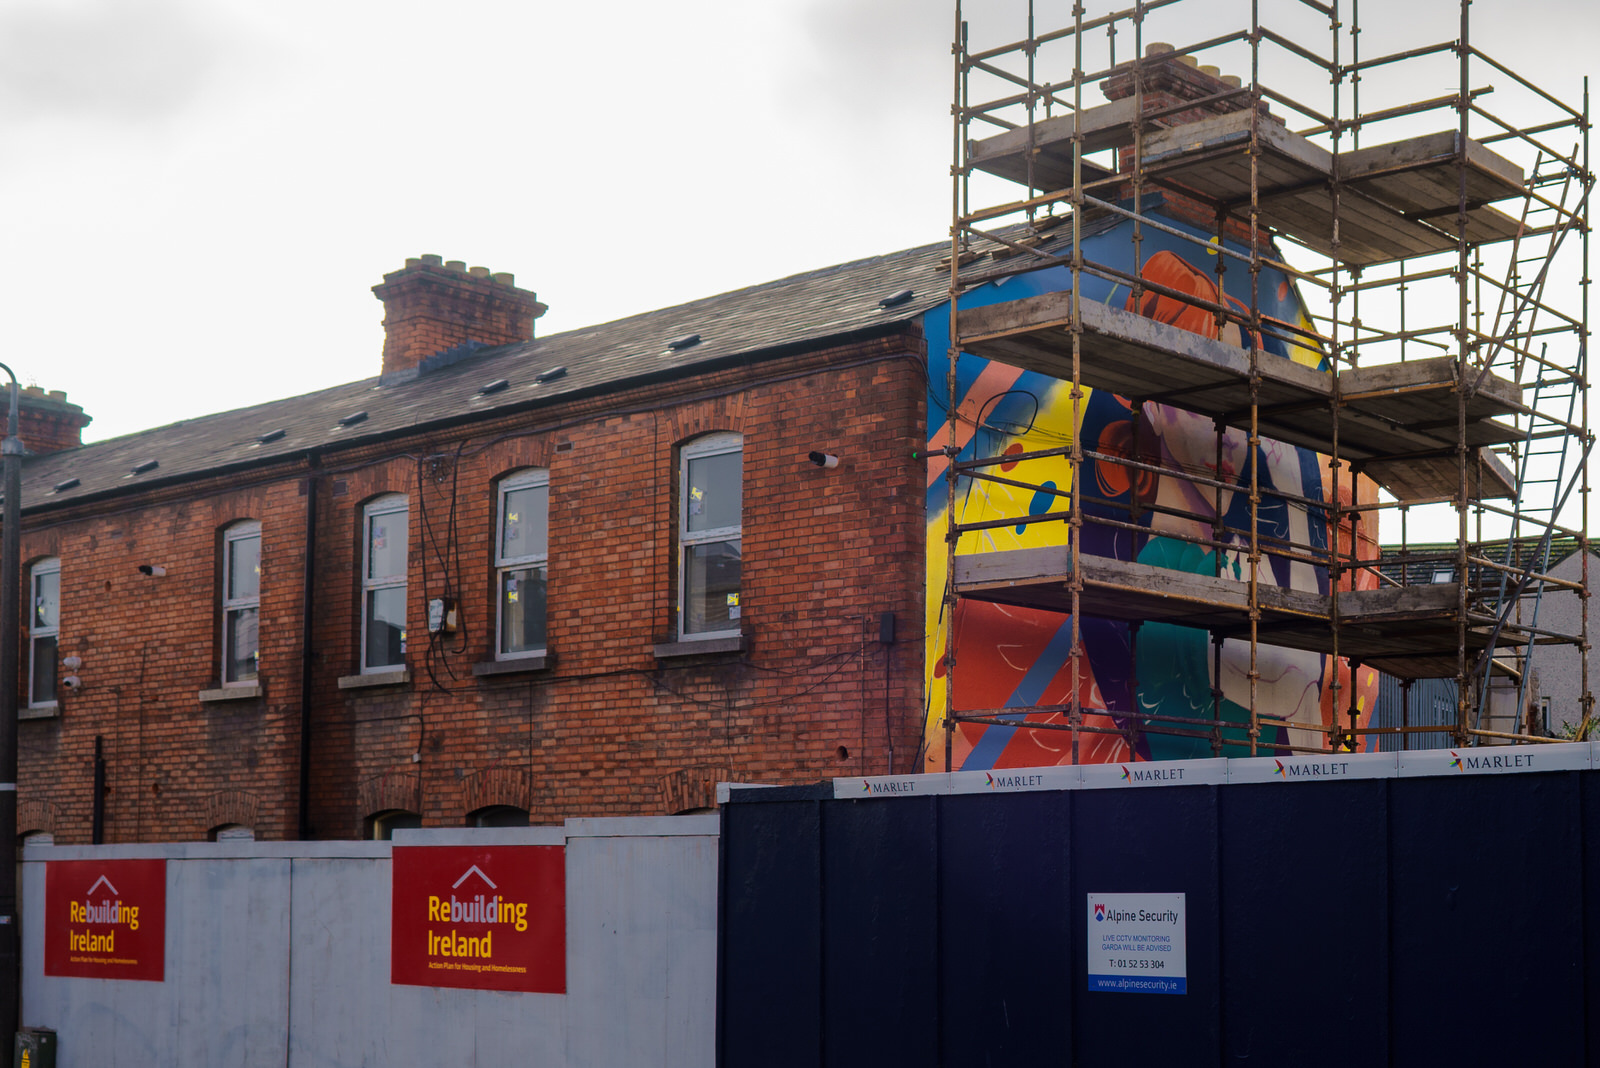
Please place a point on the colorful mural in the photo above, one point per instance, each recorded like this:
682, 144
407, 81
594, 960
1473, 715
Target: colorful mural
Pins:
1016, 657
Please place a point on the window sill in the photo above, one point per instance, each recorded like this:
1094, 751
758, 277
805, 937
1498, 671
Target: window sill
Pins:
50, 711
515, 666
376, 678
733, 643
231, 693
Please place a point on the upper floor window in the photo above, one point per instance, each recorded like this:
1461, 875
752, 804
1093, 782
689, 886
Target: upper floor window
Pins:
44, 621
710, 483
521, 551
241, 602
384, 525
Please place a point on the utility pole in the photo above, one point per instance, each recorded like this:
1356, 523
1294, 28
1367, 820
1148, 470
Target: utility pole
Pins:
11, 451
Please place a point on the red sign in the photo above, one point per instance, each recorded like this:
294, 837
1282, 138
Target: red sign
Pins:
480, 917
105, 919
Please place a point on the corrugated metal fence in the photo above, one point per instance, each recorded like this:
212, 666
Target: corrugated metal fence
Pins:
1432, 703
1404, 921
278, 954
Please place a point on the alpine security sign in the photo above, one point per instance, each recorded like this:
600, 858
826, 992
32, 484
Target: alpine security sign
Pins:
105, 919
1137, 943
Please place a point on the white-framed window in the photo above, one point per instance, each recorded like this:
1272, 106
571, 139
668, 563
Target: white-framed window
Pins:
44, 622
522, 543
710, 523
241, 602
384, 529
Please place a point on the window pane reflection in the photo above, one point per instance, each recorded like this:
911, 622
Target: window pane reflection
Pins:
711, 587
522, 606
386, 628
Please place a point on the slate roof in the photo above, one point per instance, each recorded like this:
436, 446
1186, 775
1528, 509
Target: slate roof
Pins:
764, 320
1435, 561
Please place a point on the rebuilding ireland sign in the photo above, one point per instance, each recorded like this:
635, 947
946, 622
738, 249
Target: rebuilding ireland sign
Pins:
481, 918
105, 919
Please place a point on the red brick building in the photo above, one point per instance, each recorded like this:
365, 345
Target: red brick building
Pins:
591, 573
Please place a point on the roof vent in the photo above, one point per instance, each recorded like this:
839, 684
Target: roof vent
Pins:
65, 484
894, 300
271, 436
493, 387
550, 375
148, 465
353, 418
678, 344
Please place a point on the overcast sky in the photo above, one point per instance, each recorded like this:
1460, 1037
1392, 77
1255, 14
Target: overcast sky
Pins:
196, 196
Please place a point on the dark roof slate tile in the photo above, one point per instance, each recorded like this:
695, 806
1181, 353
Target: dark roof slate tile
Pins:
802, 309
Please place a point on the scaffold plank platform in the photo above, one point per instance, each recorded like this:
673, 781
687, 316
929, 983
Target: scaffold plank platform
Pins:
1006, 154
1409, 632
1394, 412
1396, 200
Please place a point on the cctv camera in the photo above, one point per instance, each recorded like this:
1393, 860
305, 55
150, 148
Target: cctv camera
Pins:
72, 682
155, 570
824, 459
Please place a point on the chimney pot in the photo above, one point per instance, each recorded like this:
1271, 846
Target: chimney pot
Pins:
1156, 48
1232, 79
505, 278
479, 272
432, 260
1188, 60
414, 262
459, 266
1213, 71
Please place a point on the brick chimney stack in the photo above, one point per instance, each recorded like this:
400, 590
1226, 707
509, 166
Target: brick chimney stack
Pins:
430, 306
1171, 79
47, 423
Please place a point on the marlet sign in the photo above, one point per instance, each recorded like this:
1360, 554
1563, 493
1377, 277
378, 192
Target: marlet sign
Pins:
481, 918
105, 919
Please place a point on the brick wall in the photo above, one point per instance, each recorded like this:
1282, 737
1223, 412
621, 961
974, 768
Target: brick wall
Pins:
149, 647
607, 728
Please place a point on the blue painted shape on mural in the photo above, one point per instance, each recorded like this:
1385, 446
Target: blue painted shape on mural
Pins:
1043, 500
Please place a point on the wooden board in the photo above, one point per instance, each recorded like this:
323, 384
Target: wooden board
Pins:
1422, 477
1409, 631
1006, 154
1389, 411
1397, 201
1421, 176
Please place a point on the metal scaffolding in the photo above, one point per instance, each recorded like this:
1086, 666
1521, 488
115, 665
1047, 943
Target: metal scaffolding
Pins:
1440, 254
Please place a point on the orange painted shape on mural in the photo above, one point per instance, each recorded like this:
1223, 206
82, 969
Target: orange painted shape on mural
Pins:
1047, 748
991, 673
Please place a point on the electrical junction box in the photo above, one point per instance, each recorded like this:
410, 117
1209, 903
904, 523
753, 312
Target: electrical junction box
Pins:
442, 616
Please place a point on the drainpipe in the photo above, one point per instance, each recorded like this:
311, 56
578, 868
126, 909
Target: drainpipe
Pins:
97, 808
307, 653
11, 451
